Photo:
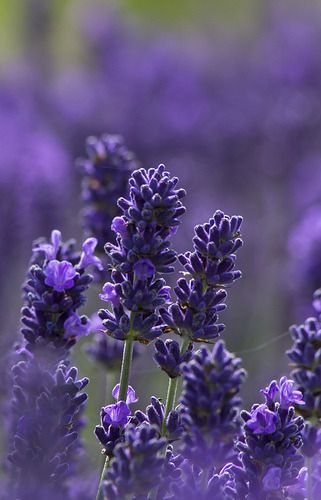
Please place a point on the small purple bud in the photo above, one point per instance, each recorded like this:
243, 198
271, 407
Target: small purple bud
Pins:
76, 327
144, 269
87, 256
116, 414
109, 294
263, 421
131, 394
165, 292
272, 479
288, 396
59, 275
118, 225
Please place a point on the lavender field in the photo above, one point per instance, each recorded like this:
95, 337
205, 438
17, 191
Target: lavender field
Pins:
160, 181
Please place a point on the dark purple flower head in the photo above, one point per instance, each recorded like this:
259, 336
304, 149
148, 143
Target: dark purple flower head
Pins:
138, 464
269, 458
116, 414
131, 394
168, 357
262, 421
53, 292
215, 244
105, 178
59, 275
210, 404
141, 254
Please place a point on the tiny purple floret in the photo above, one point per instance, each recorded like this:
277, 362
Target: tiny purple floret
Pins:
131, 394
74, 327
263, 420
288, 396
144, 269
118, 225
116, 414
109, 294
87, 256
59, 275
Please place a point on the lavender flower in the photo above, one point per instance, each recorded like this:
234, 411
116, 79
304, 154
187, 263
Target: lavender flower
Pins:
45, 423
142, 252
210, 266
53, 292
168, 357
105, 177
270, 459
210, 404
138, 463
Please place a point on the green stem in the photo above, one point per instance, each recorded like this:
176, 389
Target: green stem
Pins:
172, 388
126, 367
100, 494
124, 381
309, 479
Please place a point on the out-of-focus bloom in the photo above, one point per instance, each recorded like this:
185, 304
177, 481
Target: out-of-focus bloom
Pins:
210, 405
138, 463
45, 423
105, 178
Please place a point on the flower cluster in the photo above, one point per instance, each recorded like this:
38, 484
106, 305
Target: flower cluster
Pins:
53, 292
105, 177
139, 463
210, 404
270, 459
210, 268
46, 411
142, 252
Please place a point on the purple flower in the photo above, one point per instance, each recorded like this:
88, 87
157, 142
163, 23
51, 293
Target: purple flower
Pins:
288, 396
262, 421
272, 479
76, 326
109, 294
271, 391
50, 250
118, 225
116, 414
317, 300
131, 394
144, 269
87, 256
59, 275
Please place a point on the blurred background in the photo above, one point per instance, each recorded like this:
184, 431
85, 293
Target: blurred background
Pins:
227, 94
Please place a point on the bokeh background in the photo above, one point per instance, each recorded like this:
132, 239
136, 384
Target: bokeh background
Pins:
227, 94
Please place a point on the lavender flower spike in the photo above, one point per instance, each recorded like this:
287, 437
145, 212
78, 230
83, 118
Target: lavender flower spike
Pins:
270, 458
142, 253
